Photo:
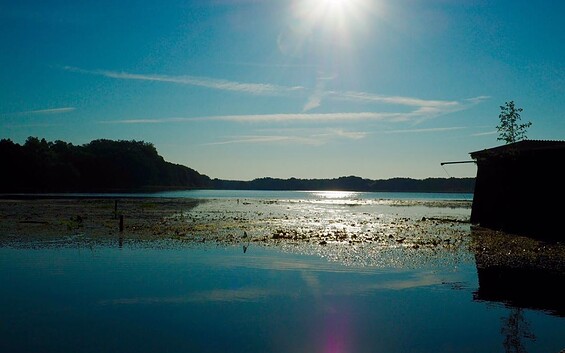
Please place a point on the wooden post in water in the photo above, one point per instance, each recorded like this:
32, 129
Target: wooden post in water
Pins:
121, 223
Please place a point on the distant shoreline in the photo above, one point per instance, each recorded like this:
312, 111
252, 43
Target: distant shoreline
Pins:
351, 183
106, 166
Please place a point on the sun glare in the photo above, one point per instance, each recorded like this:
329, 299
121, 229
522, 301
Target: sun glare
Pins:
332, 14
333, 23
333, 4
333, 9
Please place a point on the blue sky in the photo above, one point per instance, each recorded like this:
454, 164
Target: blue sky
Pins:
242, 89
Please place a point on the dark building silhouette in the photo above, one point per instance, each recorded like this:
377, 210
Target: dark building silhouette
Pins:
520, 188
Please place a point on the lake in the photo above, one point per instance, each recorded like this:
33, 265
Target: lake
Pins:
170, 295
282, 195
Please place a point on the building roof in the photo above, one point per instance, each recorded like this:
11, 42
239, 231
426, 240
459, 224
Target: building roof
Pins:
520, 146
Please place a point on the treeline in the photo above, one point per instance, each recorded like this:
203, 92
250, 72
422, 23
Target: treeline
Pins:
40, 166
353, 183
98, 166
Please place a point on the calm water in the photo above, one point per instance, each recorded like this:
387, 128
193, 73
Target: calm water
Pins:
290, 195
170, 296
310, 195
166, 297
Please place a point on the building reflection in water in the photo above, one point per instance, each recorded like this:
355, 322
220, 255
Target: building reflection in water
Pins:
522, 273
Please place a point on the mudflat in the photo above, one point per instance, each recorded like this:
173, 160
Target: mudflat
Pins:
363, 231
222, 221
95, 217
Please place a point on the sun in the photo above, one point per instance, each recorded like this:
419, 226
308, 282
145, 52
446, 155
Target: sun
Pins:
330, 24
330, 13
332, 9
333, 4
337, 10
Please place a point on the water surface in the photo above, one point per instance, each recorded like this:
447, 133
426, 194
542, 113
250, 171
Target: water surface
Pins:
173, 297
303, 271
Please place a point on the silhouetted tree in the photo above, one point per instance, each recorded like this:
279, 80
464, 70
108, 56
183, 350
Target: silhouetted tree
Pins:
101, 165
509, 129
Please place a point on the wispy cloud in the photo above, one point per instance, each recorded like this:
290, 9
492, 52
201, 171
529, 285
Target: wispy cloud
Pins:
315, 99
225, 85
396, 100
268, 65
27, 126
311, 117
44, 111
486, 133
258, 118
149, 121
294, 136
421, 108
414, 116
253, 139
303, 137
353, 135
437, 129
411, 109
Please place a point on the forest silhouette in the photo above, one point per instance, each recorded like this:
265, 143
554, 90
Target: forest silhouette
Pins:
40, 166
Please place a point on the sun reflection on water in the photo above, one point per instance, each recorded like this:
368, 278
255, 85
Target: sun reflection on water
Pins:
336, 194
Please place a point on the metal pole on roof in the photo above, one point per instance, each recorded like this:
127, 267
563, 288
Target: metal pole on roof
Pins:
444, 163
457, 162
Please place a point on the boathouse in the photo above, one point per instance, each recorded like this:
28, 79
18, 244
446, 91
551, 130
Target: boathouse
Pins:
520, 189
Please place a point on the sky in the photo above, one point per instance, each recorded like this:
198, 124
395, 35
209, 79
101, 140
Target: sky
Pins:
243, 89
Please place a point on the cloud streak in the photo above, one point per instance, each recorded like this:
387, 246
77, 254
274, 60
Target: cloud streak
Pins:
436, 129
315, 99
45, 111
396, 100
273, 118
416, 115
422, 108
253, 139
494, 132
224, 85
411, 109
316, 139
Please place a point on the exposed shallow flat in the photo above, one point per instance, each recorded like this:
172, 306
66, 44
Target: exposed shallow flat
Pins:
361, 232
227, 220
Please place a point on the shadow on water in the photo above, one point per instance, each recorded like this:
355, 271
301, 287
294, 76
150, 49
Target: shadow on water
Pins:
520, 272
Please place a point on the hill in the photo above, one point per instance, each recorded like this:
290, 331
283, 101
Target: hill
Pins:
98, 166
